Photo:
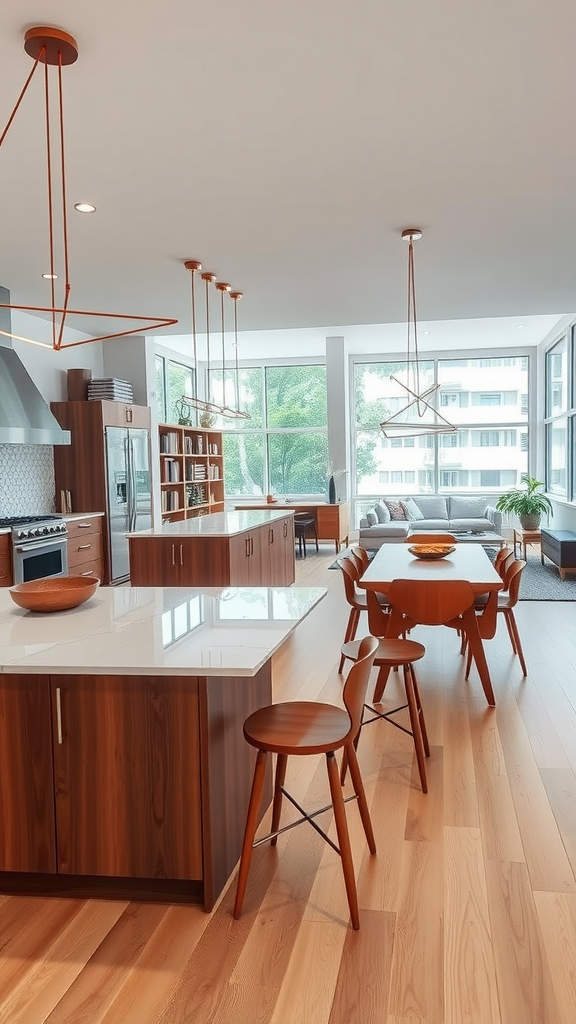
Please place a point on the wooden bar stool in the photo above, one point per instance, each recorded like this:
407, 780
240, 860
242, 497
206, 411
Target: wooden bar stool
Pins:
309, 727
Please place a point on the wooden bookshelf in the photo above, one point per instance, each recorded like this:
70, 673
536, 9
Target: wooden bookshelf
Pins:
191, 472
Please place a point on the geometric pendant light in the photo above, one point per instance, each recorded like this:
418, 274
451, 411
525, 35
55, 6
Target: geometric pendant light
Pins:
419, 416
55, 49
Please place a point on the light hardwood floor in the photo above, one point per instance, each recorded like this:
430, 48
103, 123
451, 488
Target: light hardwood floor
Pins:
468, 911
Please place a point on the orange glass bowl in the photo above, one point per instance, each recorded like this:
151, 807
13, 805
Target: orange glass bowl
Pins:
55, 593
431, 551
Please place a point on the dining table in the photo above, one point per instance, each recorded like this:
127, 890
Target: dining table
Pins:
466, 562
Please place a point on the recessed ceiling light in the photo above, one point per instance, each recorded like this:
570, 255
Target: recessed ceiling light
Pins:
520, 327
84, 207
50, 277
425, 332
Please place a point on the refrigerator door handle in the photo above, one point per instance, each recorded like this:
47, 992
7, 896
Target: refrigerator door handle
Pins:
132, 474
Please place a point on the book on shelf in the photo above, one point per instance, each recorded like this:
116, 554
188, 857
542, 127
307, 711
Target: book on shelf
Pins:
169, 443
171, 471
170, 501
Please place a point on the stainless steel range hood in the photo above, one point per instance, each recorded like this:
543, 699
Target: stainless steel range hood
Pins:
24, 415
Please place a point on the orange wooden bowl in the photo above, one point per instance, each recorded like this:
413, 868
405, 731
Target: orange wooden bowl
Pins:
55, 593
432, 551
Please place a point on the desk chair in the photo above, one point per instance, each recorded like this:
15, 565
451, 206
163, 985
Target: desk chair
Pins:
303, 522
309, 727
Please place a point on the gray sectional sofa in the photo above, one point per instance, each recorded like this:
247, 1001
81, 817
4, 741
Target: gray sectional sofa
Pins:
444, 513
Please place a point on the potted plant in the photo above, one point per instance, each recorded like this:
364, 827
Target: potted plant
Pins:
528, 504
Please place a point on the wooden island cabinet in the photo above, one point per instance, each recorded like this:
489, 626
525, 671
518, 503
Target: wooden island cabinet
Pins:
225, 549
332, 520
123, 767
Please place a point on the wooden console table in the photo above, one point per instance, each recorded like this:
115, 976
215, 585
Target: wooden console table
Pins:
332, 521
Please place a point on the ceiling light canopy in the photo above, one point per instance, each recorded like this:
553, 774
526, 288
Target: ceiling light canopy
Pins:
56, 49
419, 416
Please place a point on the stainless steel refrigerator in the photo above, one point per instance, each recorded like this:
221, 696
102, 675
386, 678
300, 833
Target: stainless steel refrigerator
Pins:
129, 492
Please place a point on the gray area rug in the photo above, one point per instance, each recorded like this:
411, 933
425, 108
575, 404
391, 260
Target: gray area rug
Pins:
539, 582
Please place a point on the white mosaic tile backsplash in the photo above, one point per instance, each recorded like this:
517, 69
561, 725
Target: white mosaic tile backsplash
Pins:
26, 479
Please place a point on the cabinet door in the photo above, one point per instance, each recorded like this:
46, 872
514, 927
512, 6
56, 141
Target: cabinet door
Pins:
5, 561
154, 562
246, 559
27, 836
127, 774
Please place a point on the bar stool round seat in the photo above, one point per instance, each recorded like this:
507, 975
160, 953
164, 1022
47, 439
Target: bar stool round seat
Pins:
306, 727
392, 652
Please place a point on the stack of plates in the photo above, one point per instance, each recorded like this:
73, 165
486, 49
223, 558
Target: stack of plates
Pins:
110, 389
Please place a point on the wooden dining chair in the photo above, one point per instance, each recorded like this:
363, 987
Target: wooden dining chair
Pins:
356, 560
447, 603
506, 602
356, 601
393, 654
309, 727
430, 538
360, 553
502, 556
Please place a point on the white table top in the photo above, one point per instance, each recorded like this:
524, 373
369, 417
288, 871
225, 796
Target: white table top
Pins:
395, 562
219, 524
155, 631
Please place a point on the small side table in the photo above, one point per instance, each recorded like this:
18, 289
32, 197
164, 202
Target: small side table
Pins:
524, 537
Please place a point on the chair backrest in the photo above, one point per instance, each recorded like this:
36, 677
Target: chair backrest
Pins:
505, 565
430, 538
356, 561
350, 577
430, 602
362, 554
501, 556
512, 581
354, 693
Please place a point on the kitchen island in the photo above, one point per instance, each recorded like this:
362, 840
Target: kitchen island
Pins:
123, 767
251, 548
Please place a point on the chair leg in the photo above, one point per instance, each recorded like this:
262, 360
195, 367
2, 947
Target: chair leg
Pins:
510, 631
281, 762
519, 650
250, 831
358, 784
468, 661
420, 713
316, 537
351, 628
415, 724
343, 838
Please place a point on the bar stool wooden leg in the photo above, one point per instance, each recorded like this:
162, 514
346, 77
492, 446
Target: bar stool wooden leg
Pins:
250, 831
420, 713
343, 838
281, 762
360, 793
415, 725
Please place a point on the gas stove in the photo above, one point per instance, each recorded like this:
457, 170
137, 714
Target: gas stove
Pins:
39, 546
32, 527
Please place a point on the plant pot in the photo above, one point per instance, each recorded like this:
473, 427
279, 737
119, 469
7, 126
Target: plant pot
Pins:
530, 522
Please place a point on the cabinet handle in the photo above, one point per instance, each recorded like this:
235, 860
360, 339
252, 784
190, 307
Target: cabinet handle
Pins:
59, 714
270, 536
84, 526
128, 415
181, 556
84, 547
251, 545
173, 554
285, 529
89, 572
247, 547
4, 576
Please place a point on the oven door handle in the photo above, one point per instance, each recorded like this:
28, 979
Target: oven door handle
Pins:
22, 549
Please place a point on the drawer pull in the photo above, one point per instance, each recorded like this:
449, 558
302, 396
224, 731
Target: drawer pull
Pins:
59, 715
83, 547
89, 572
84, 526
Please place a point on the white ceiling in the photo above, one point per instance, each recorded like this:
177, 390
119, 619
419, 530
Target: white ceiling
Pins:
286, 146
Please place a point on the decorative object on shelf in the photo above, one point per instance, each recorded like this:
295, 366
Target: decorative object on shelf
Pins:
203, 406
528, 504
271, 499
183, 413
331, 491
331, 475
418, 416
207, 419
55, 48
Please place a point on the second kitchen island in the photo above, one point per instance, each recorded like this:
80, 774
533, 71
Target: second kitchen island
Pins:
252, 548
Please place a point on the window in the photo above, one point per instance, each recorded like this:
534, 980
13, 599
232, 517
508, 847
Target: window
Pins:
493, 398
283, 447
172, 381
489, 478
560, 417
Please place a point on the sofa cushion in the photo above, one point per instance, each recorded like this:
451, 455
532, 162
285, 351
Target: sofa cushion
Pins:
411, 511
467, 507
391, 529
394, 506
479, 525
432, 506
371, 518
432, 524
382, 513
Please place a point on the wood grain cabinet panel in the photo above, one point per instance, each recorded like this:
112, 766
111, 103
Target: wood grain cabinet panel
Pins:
27, 837
5, 560
127, 776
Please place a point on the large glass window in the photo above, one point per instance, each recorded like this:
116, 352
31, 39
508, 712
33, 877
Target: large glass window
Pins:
485, 399
173, 380
283, 447
560, 406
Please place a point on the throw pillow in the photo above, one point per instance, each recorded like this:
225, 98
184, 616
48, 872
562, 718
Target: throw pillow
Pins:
371, 518
395, 509
382, 512
412, 512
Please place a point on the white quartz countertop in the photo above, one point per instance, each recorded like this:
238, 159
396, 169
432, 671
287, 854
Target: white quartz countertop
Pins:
155, 631
220, 524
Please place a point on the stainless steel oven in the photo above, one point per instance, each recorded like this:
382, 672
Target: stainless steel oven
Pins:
39, 548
